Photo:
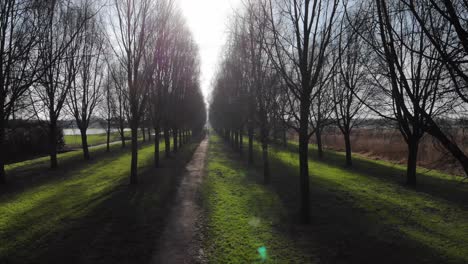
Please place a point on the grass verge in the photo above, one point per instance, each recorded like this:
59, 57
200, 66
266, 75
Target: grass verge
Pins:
242, 214
366, 214
91, 214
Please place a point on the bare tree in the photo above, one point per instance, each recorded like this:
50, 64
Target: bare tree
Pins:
444, 23
321, 108
58, 54
180, 51
120, 97
160, 76
408, 73
349, 84
301, 33
239, 74
230, 108
86, 88
109, 107
262, 78
20, 31
132, 32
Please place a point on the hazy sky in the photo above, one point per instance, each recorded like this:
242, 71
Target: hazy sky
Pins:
208, 20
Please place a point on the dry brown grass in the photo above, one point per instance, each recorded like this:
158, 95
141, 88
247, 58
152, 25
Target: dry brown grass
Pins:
388, 144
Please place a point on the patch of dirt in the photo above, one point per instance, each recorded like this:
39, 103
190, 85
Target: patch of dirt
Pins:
181, 238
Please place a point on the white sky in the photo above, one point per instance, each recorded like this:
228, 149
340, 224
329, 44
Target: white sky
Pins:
208, 21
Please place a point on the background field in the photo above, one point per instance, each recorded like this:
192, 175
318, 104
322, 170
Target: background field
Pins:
388, 144
74, 141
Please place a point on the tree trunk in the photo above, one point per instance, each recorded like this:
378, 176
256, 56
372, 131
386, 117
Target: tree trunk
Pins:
347, 140
134, 162
53, 144
241, 142
250, 133
266, 164
435, 131
413, 145
174, 138
2, 155
181, 137
84, 144
304, 161
122, 135
156, 147
167, 142
285, 138
143, 133
236, 139
149, 134
318, 136
275, 134
2, 171
108, 136
232, 138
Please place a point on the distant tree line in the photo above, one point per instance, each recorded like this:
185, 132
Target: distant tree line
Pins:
311, 64
132, 63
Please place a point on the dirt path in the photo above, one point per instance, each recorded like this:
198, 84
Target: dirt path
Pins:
179, 243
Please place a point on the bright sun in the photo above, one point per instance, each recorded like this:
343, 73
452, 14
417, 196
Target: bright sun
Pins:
208, 20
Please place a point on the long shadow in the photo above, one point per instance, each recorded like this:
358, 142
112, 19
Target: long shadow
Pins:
38, 172
340, 232
122, 225
450, 190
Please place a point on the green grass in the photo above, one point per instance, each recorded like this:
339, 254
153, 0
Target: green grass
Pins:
366, 214
28, 216
242, 214
86, 212
74, 141
90, 207
63, 159
423, 219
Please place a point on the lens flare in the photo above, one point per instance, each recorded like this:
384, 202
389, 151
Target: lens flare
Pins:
262, 251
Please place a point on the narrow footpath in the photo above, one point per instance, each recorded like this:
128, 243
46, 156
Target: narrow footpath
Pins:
178, 243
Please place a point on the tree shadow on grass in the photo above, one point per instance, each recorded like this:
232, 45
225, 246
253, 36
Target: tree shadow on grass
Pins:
341, 230
452, 189
29, 174
121, 225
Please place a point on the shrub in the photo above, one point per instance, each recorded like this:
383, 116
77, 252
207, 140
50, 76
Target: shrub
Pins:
25, 139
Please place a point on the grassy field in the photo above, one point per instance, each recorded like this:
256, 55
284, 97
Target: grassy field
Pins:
74, 141
388, 144
361, 215
36, 166
87, 212
242, 214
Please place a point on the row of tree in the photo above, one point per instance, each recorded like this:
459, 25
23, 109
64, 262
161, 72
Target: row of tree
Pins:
310, 64
132, 62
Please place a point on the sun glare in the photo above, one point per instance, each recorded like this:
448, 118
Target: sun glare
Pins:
208, 20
